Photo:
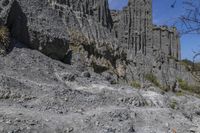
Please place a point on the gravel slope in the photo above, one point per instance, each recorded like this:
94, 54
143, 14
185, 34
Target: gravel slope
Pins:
41, 95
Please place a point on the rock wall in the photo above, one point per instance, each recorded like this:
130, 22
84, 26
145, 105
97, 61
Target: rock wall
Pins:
167, 40
96, 8
123, 43
150, 49
5, 6
135, 26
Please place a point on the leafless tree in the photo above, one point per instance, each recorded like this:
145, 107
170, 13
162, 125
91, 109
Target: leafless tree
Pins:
191, 17
189, 21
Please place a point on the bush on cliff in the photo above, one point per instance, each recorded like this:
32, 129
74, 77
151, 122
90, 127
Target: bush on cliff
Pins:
153, 79
135, 84
191, 88
4, 39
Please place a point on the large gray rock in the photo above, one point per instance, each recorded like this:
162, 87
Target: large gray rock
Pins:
48, 26
38, 26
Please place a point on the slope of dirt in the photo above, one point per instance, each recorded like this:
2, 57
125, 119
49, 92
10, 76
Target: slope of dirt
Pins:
41, 95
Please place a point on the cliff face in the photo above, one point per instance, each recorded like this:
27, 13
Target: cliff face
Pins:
98, 9
150, 49
123, 44
167, 40
77, 95
134, 27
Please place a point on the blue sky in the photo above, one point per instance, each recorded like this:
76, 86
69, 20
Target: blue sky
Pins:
163, 14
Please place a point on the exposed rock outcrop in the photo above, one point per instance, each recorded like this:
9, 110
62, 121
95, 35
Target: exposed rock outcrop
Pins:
134, 28
99, 48
150, 49
98, 9
167, 40
123, 43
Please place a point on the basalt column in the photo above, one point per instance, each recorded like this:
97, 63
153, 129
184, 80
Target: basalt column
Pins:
99, 9
166, 40
135, 27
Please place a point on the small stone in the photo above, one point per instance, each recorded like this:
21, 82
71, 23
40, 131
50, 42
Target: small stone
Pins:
131, 129
8, 122
86, 74
97, 123
17, 120
167, 125
69, 77
68, 130
66, 99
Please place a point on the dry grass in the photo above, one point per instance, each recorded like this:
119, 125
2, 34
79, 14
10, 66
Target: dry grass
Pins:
77, 38
135, 84
187, 87
153, 79
4, 36
4, 39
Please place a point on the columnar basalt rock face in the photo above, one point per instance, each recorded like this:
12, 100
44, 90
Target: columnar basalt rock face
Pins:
150, 49
99, 9
124, 43
166, 40
135, 26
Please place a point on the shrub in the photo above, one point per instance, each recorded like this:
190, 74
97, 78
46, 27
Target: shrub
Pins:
188, 64
135, 84
78, 38
183, 84
172, 57
180, 93
153, 79
173, 104
4, 36
191, 88
164, 88
4, 39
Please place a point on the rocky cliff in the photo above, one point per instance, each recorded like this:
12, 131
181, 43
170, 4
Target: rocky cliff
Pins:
135, 27
167, 40
123, 44
74, 66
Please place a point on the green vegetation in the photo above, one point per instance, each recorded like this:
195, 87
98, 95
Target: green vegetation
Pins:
188, 64
164, 88
172, 57
153, 79
180, 93
4, 39
190, 88
173, 104
135, 84
4, 35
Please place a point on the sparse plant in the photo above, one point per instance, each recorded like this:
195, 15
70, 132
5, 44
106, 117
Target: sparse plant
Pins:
173, 104
153, 79
164, 88
180, 93
4, 39
188, 64
135, 84
77, 38
172, 57
190, 88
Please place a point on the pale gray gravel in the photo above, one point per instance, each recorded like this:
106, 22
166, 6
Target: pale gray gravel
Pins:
41, 95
